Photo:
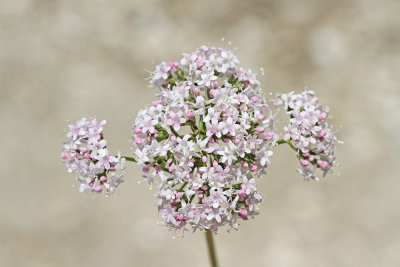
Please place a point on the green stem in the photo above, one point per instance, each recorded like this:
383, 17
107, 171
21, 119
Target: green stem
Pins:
129, 159
211, 248
173, 131
283, 141
183, 186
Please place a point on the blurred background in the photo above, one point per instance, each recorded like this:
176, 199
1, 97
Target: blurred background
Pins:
60, 60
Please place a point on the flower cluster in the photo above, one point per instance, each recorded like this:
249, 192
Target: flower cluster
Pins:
205, 140
309, 132
85, 154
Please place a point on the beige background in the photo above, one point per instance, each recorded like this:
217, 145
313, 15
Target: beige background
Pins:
60, 60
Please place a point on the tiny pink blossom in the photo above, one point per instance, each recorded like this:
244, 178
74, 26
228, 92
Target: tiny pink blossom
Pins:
254, 99
98, 188
323, 164
304, 162
253, 167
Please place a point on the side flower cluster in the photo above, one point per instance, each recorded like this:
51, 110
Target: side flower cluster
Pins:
205, 140
308, 132
85, 153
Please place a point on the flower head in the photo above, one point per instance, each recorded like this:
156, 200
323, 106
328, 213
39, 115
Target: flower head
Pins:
209, 143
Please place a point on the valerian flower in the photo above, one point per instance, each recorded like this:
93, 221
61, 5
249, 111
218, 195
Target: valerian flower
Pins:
205, 141
210, 144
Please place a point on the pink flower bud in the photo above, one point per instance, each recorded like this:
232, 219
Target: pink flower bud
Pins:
253, 167
236, 140
103, 179
200, 196
259, 129
245, 164
87, 155
146, 169
138, 141
322, 133
138, 129
204, 159
212, 93
196, 91
190, 115
304, 162
226, 140
322, 116
323, 164
171, 168
64, 155
178, 195
169, 161
204, 187
310, 158
179, 218
196, 188
241, 192
269, 136
314, 100
173, 138
243, 212
228, 114
83, 150
260, 116
215, 164
306, 154
254, 99
98, 188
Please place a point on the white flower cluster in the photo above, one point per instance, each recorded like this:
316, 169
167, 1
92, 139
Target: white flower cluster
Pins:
85, 153
309, 132
205, 140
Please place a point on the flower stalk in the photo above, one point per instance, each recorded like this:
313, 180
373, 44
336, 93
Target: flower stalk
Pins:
211, 248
